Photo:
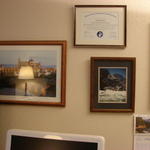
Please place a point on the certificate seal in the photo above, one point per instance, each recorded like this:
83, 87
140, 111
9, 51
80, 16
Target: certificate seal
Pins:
99, 34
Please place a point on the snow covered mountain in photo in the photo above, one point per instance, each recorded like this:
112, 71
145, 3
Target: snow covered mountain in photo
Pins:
112, 86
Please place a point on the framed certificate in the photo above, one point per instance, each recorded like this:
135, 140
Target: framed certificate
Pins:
100, 25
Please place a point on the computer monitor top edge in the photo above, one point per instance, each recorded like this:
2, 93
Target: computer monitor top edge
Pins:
99, 140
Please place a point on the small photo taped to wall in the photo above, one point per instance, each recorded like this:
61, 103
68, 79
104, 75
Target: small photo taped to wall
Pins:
142, 124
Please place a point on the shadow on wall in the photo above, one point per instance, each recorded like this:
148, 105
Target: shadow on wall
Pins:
39, 20
138, 36
149, 67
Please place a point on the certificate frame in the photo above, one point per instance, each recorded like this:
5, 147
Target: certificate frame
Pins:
47, 63
112, 84
100, 25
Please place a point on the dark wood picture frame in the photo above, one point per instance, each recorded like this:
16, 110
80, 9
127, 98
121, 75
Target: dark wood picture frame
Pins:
48, 62
98, 30
112, 84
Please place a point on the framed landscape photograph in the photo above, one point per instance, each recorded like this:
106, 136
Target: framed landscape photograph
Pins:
100, 25
112, 84
142, 124
33, 72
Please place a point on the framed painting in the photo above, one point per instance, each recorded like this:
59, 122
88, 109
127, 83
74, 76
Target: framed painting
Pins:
100, 25
33, 72
112, 84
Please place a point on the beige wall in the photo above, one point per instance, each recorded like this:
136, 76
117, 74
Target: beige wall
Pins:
53, 20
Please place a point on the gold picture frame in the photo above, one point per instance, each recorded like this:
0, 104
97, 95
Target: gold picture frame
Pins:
33, 72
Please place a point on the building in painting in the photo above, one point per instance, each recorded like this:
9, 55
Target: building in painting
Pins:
38, 69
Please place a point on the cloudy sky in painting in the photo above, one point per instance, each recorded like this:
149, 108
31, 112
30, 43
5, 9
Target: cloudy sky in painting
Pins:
44, 56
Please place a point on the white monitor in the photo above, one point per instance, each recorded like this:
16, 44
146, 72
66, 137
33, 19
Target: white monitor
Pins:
36, 140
